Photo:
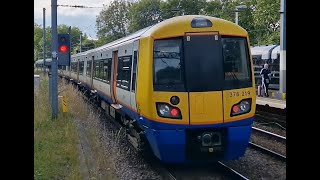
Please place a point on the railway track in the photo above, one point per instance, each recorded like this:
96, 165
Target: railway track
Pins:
166, 173
272, 136
267, 151
232, 172
216, 171
263, 116
224, 170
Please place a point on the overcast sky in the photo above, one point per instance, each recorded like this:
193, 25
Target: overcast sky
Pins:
84, 18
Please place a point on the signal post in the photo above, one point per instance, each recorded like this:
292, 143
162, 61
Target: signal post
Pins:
60, 56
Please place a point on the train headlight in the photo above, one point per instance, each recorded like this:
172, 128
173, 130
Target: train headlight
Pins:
167, 111
244, 106
164, 109
199, 22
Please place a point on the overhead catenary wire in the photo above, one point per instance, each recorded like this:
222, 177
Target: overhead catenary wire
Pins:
77, 6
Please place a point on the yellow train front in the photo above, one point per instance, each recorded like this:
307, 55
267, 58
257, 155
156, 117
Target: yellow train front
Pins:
195, 89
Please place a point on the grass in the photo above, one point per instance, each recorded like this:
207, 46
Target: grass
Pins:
55, 141
104, 165
37, 71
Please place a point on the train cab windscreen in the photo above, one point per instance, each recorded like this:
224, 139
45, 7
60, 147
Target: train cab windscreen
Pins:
236, 63
200, 63
168, 69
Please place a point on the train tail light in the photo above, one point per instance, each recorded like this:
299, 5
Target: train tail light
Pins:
244, 106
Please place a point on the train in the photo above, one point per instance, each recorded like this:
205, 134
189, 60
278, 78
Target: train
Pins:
183, 87
39, 64
269, 54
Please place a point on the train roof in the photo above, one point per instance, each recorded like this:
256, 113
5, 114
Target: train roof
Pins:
79, 54
275, 52
113, 43
126, 38
40, 61
180, 21
264, 51
184, 23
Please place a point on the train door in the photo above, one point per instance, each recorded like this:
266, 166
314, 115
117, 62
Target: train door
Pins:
92, 72
204, 77
134, 75
78, 70
114, 75
86, 75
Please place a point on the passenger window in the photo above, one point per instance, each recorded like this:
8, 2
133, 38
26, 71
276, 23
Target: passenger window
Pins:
124, 72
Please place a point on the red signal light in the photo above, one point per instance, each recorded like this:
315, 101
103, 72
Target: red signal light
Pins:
63, 49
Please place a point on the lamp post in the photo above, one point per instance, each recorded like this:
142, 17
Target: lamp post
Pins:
80, 41
283, 63
72, 39
44, 39
237, 10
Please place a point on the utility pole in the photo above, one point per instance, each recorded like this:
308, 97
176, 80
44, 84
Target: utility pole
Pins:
44, 40
237, 10
70, 45
44, 53
54, 66
237, 17
80, 41
283, 39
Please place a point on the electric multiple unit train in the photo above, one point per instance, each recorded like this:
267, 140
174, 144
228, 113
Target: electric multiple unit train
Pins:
184, 87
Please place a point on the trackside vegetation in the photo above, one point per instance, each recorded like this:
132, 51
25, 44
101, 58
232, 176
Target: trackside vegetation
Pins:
59, 149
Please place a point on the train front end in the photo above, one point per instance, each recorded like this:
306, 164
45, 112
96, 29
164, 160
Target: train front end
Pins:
199, 102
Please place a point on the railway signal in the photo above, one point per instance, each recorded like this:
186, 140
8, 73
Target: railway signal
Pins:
64, 49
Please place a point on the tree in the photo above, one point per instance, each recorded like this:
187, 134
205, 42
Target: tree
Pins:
36, 39
143, 14
112, 22
101, 41
213, 8
267, 22
173, 8
228, 9
88, 44
62, 28
246, 20
75, 35
260, 18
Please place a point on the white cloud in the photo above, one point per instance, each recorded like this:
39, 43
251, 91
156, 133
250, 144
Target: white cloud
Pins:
84, 18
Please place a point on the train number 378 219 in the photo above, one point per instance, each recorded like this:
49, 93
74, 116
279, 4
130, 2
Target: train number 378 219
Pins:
238, 94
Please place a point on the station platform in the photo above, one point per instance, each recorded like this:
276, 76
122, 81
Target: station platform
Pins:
275, 94
275, 99
271, 102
